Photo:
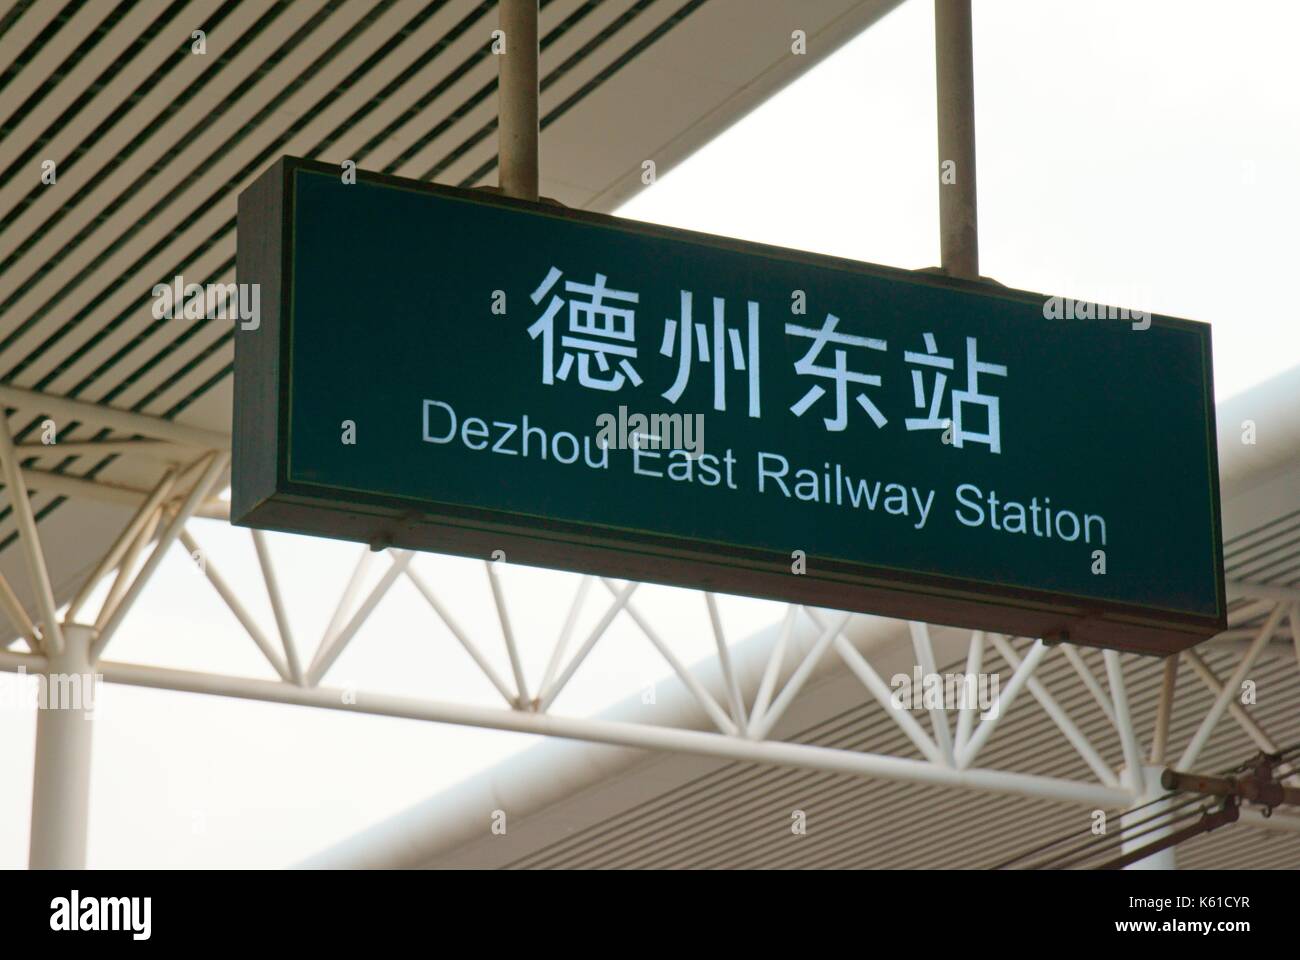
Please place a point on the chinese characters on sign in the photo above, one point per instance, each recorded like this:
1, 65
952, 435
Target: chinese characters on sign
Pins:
602, 329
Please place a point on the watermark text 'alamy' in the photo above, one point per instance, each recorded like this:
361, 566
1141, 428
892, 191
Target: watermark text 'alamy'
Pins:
214, 301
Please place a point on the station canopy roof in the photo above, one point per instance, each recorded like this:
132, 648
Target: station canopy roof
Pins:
152, 143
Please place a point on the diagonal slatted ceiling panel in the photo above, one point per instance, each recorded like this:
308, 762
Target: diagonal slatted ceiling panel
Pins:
1269, 553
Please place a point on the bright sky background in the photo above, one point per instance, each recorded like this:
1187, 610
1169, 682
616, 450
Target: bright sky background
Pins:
1139, 153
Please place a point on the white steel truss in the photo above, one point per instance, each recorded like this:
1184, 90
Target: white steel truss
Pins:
742, 720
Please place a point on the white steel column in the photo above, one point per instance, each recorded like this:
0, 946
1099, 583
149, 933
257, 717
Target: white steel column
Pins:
517, 130
1149, 778
61, 781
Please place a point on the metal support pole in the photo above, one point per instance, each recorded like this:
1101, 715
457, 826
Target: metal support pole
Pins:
518, 91
61, 780
955, 90
1147, 779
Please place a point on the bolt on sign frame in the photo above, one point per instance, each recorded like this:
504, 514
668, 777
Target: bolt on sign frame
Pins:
873, 439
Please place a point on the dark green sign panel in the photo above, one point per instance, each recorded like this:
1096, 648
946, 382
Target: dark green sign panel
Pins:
453, 371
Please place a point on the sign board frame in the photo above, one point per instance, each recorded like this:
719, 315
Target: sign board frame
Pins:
264, 496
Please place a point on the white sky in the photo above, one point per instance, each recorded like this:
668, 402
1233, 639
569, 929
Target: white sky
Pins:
1139, 152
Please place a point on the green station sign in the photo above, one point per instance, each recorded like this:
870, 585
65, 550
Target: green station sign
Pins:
454, 371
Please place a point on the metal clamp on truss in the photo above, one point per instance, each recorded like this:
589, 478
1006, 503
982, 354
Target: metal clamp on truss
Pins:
1258, 781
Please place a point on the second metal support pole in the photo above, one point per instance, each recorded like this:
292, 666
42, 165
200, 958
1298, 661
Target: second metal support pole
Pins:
955, 94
